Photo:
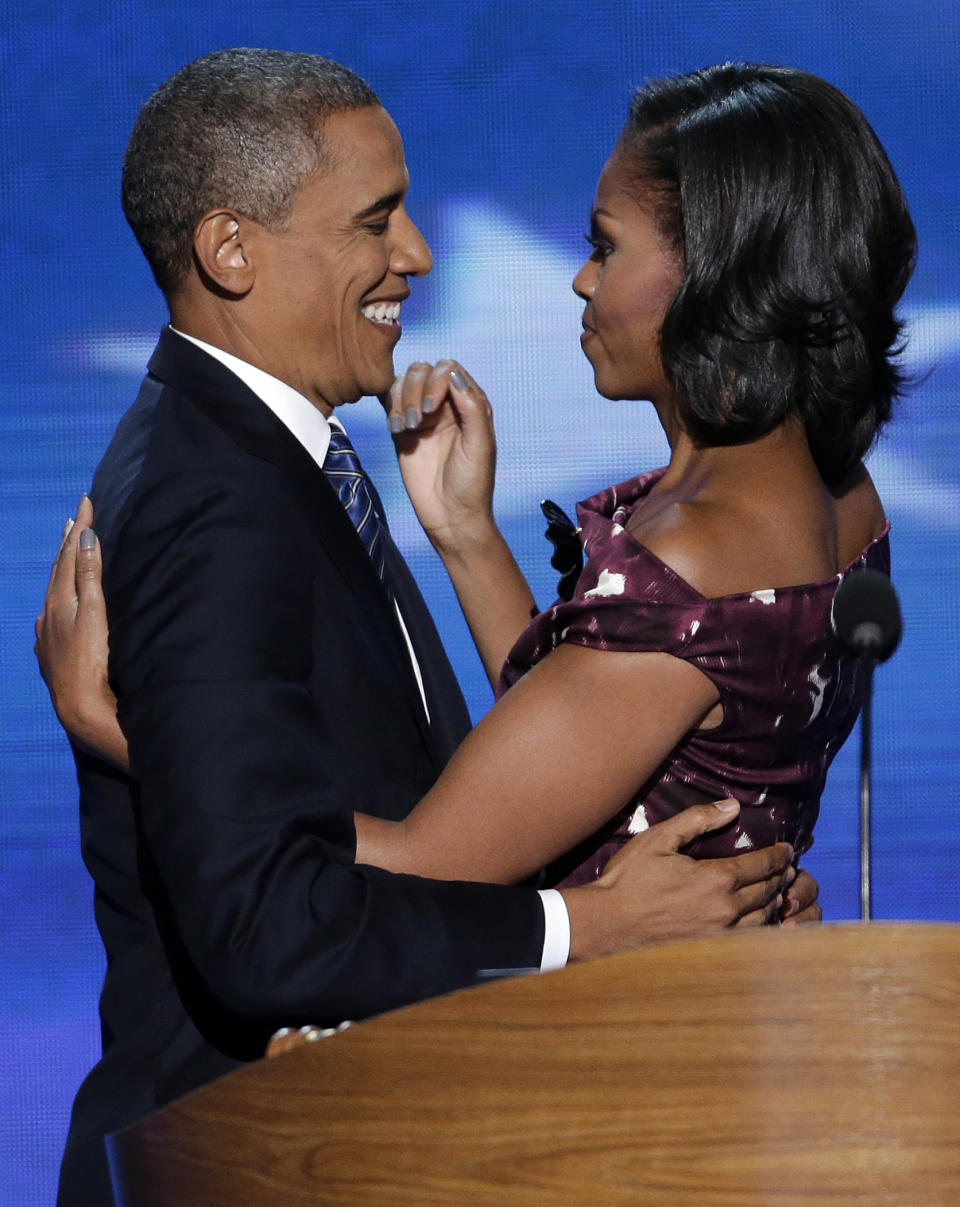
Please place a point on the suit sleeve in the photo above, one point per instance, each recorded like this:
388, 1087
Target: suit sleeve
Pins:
245, 805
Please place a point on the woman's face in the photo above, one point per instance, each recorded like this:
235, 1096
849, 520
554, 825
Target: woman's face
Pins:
628, 284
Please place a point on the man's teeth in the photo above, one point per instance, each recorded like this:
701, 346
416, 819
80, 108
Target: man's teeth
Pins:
381, 312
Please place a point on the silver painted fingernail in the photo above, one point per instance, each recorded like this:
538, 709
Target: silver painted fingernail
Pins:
411, 419
88, 539
457, 380
427, 405
395, 422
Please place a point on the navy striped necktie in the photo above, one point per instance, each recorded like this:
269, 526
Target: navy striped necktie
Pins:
357, 494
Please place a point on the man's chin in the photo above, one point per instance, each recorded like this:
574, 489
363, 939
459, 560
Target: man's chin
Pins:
374, 387
373, 380
379, 386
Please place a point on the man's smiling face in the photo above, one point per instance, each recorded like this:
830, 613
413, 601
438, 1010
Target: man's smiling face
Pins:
331, 277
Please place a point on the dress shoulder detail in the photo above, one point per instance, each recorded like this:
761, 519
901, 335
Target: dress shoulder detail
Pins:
788, 692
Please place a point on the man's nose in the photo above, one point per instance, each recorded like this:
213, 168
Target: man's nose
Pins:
411, 256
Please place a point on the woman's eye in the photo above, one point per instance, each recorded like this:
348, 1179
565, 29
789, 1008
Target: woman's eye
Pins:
600, 247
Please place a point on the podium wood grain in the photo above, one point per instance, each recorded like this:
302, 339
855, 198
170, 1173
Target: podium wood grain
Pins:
788, 1067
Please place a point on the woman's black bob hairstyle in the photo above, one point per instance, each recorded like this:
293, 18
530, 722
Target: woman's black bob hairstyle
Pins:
796, 244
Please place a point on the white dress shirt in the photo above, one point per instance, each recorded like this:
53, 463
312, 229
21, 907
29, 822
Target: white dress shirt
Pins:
312, 429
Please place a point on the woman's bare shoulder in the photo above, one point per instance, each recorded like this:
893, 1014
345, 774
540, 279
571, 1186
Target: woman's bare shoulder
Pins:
737, 542
695, 540
860, 514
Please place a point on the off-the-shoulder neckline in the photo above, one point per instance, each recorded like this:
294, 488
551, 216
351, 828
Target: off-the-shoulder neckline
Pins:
647, 479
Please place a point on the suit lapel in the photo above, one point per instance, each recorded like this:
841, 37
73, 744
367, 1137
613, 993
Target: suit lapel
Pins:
238, 412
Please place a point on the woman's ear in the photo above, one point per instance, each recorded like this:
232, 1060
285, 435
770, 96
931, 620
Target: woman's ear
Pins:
222, 258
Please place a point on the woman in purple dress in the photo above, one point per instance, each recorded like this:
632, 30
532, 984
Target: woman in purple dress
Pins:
749, 243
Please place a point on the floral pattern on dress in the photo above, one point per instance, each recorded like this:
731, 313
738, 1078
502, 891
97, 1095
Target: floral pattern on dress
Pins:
789, 693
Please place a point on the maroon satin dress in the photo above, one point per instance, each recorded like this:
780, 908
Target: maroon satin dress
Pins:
789, 694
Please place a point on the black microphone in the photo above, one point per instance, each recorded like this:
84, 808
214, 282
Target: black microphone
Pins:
866, 620
866, 615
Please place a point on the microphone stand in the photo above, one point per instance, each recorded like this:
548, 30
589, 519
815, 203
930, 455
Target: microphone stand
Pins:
866, 620
865, 760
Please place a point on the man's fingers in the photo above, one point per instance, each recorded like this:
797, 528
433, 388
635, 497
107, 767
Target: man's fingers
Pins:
763, 897
675, 832
793, 907
813, 913
763, 893
765, 916
755, 866
801, 895
800, 901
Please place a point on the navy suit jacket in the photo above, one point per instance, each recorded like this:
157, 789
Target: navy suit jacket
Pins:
266, 693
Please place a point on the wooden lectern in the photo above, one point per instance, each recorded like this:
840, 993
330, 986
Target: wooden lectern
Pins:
815, 1065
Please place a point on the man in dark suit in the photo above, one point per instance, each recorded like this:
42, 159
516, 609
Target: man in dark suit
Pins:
273, 672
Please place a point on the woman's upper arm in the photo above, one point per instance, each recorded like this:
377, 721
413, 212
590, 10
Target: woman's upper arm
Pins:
556, 757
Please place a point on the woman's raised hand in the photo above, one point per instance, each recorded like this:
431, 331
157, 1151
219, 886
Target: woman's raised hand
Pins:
442, 426
72, 643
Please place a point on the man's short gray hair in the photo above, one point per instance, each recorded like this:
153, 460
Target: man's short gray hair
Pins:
238, 128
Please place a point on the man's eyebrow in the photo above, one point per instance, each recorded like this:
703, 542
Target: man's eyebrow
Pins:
388, 202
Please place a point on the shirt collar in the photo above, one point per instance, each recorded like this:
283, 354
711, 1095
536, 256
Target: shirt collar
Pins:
298, 414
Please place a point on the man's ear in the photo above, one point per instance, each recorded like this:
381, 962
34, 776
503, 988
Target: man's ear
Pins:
222, 258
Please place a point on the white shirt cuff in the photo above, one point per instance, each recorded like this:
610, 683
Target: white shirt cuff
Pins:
556, 930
